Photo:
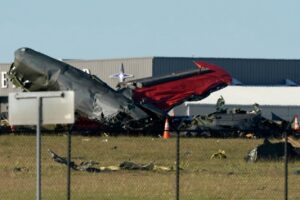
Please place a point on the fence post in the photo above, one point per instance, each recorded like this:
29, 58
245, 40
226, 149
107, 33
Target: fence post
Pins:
38, 149
177, 164
285, 166
69, 146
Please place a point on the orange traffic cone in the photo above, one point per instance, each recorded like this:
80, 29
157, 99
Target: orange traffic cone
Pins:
295, 124
167, 134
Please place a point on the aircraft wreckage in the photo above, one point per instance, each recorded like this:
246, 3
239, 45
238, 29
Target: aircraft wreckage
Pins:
233, 123
135, 105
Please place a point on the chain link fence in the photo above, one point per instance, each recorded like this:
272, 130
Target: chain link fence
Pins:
142, 167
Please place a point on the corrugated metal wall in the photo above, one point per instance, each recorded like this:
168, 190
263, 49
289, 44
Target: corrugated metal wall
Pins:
248, 71
260, 71
163, 66
139, 67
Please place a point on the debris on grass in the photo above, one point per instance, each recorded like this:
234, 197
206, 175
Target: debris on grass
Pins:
273, 151
91, 166
88, 166
220, 155
86, 139
20, 169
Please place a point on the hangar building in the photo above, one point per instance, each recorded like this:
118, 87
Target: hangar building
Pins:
245, 72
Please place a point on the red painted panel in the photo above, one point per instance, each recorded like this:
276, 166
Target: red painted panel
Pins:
166, 95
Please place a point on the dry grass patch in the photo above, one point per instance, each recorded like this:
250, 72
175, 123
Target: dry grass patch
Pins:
201, 177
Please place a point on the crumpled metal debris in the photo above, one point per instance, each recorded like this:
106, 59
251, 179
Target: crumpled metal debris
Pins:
20, 169
90, 166
134, 166
220, 155
94, 99
272, 151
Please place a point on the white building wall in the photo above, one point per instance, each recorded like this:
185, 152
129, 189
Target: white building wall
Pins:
282, 101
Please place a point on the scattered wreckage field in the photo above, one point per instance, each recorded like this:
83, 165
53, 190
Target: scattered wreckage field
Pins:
202, 177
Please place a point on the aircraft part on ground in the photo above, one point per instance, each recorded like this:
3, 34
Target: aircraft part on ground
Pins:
272, 151
92, 166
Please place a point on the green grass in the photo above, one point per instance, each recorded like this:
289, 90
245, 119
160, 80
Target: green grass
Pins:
201, 177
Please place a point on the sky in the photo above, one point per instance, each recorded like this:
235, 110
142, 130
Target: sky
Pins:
104, 29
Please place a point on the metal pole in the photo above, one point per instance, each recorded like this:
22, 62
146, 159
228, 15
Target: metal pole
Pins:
177, 164
68, 162
38, 149
285, 167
